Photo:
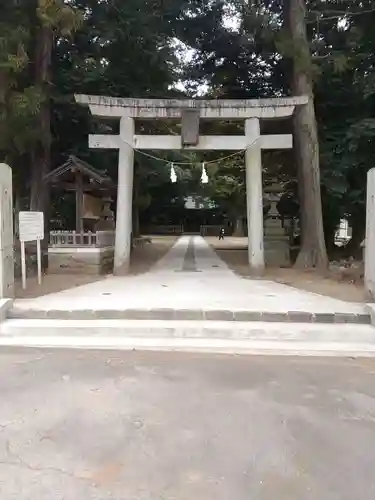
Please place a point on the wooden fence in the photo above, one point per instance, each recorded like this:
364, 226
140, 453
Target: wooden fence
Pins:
86, 239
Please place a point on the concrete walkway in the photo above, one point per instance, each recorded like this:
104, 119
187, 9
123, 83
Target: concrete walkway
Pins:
191, 276
141, 426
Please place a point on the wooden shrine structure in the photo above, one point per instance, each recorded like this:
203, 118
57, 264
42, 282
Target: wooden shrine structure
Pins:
78, 176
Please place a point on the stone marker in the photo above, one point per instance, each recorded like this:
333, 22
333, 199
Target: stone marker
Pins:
6, 233
370, 235
276, 241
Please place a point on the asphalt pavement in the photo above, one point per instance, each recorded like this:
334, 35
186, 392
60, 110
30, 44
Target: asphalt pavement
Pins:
104, 425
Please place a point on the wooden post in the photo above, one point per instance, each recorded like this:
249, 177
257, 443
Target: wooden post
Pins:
79, 201
6, 233
23, 265
370, 236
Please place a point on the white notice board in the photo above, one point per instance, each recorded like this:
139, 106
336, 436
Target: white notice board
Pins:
31, 228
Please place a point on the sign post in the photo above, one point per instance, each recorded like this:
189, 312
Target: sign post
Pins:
31, 228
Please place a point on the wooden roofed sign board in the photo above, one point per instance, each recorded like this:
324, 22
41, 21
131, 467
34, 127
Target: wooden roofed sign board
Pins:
31, 228
78, 176
91, 207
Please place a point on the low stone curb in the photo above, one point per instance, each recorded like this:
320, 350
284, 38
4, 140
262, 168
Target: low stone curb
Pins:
192, 345
5, 307
370, 309
191, 315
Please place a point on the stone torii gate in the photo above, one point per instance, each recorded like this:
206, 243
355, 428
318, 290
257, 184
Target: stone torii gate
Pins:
190, 111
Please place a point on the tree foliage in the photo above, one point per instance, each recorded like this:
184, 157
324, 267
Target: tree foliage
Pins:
138, 48
251, 53
19, 97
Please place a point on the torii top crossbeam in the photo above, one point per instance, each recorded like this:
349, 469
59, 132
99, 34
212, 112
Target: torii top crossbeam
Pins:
190, 112
115, 107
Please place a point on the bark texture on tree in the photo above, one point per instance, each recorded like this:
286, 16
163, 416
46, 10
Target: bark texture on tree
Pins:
41, 157
313, 251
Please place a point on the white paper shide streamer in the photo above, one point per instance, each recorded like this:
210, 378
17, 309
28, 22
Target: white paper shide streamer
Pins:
173, 175
204, 176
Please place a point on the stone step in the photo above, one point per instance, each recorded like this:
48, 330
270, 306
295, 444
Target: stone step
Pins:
18, 312
187, 328
193, 336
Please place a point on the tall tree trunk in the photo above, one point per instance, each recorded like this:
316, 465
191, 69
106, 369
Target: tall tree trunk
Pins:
313, 251
41, 157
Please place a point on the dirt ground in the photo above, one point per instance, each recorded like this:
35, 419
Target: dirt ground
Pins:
232, 250
143, 258
333, 284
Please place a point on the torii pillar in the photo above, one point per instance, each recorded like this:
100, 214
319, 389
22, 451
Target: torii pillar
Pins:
190, 111
254, 196
124, 208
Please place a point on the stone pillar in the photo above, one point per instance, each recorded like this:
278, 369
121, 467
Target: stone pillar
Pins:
254, 196
6, 233
124, 198
370, 235
276, 241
